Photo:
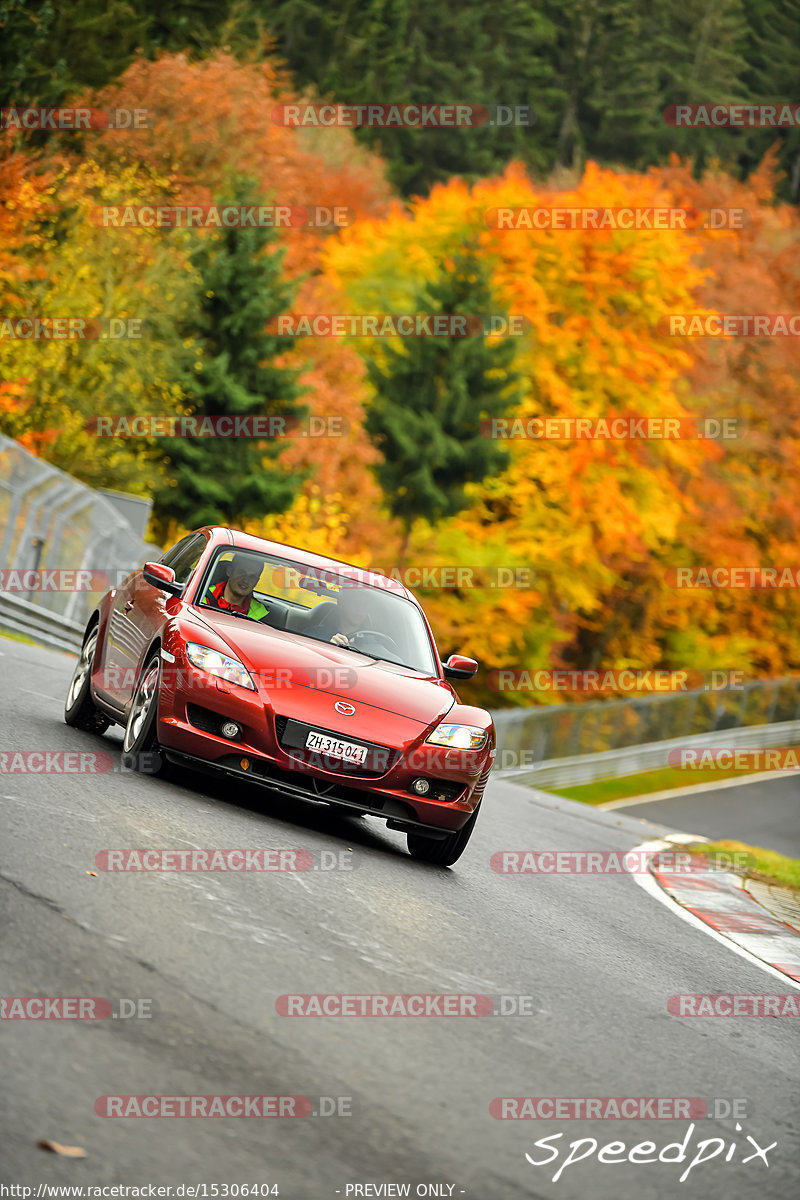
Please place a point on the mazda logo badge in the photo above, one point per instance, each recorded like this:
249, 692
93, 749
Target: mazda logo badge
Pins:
346, 710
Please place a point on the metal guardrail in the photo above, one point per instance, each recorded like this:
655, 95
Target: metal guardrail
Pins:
48, 628
571, 730
611, 764
52, 522
578, 743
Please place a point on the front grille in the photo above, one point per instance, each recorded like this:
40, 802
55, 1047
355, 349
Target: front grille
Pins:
292, 737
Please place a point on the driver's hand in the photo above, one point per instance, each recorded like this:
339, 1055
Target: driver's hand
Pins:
340, 639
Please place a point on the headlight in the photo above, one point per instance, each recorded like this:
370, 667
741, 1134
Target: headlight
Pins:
206, 659
459, 737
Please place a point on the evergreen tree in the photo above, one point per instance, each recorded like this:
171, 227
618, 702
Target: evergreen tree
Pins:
432, 395
620, 63
219, 480
50, 52
773, 56
597, 74
411, 52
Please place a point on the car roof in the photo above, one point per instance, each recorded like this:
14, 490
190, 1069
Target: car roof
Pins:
223, 534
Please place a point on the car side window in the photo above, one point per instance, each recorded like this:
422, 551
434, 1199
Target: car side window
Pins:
168, 559
184, 557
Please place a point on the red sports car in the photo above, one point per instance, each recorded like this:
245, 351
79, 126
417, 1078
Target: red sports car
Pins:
338, 697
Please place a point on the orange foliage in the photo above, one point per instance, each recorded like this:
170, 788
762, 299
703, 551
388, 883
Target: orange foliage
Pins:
213, 117
25, 199
603, 523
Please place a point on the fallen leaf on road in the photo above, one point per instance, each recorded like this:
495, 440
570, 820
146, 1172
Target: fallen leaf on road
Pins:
66, 1151
91, 873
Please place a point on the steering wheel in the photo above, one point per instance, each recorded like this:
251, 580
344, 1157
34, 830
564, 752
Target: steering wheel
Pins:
390, 643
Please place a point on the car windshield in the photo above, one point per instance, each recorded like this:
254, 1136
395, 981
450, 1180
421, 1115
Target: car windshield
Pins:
330, 605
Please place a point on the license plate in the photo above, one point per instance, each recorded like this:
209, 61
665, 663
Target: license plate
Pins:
348, 751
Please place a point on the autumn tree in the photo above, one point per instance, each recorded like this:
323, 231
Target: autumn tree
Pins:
67, 264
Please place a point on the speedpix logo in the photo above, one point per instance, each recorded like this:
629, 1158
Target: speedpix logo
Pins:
647, 1152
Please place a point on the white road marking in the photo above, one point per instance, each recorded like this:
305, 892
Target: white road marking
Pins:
652, 887
669, 793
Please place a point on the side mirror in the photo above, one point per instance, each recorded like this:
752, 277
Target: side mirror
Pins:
162, 578
458, 666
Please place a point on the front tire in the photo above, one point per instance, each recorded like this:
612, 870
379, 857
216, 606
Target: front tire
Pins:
140, 745
79, 709
443, 852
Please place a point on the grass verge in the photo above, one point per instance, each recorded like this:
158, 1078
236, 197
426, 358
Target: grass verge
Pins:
13, 636
626, 786
766, 864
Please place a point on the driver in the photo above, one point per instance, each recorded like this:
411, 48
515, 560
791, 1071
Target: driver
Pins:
352, 615
235, 594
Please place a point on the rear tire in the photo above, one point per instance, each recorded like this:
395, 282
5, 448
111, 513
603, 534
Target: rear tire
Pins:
140, 750
79, 709
443, 852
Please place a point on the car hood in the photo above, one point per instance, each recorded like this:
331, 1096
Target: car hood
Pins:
271, 654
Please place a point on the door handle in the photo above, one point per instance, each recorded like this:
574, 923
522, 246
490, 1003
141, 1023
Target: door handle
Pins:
129, 606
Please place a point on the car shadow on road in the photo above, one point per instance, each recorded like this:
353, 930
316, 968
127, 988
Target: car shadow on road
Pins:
249, 797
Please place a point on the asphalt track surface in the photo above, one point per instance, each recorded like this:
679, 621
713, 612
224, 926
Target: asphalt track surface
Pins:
766, 813
597, 954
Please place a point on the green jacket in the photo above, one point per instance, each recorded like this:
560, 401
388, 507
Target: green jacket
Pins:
257, 610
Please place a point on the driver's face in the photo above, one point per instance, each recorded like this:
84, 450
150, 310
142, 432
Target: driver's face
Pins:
243, 576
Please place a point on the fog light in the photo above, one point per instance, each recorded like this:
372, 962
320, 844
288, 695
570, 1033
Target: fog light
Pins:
421, 787
230, 730
244, 763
